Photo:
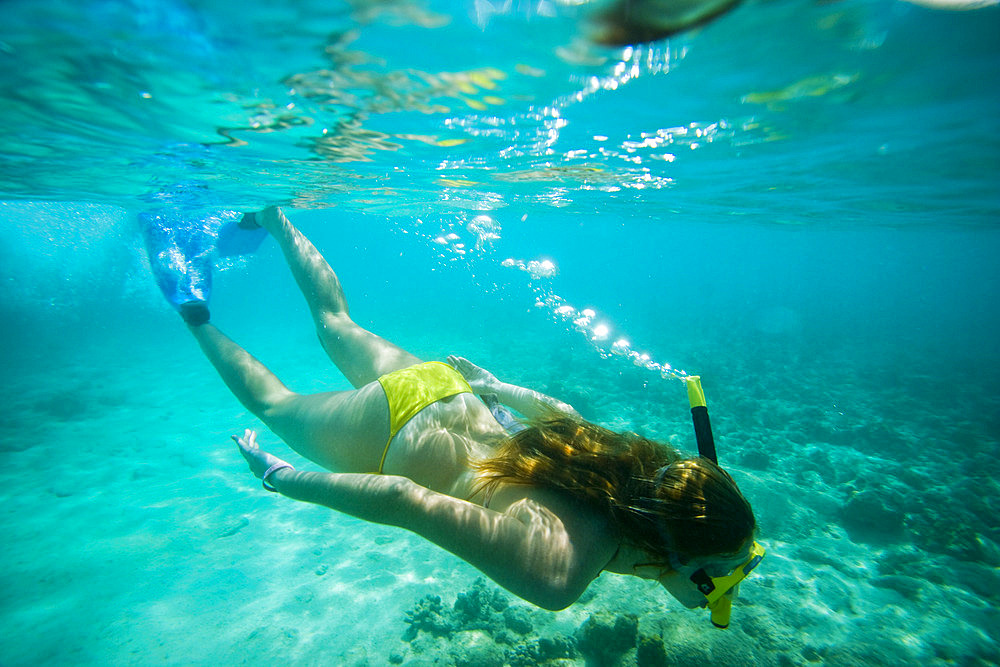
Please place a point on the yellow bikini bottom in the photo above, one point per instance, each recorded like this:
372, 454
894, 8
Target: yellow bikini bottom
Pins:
412, 389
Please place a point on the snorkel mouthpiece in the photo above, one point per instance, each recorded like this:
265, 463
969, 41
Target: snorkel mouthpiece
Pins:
722, 609
719, 592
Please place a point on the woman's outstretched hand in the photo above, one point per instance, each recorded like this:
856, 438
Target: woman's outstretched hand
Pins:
258, 459
480, 379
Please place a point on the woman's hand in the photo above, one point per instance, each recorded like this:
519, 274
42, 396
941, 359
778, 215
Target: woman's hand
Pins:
480, 379
259, 460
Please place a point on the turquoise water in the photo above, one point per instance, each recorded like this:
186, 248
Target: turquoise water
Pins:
799, 202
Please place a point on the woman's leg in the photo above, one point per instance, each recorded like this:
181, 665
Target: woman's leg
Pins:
342, 431
359, 354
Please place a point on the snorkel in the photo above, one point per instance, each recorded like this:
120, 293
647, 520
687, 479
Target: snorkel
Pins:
719, 592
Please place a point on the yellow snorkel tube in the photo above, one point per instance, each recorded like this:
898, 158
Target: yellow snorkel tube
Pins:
699, 415
718, 591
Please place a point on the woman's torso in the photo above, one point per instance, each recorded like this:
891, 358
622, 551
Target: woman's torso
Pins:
437, 449
438, 446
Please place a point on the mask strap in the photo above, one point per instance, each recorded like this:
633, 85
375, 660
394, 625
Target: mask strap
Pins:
674, 558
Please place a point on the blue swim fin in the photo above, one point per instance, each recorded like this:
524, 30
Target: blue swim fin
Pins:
181, 258
240, 237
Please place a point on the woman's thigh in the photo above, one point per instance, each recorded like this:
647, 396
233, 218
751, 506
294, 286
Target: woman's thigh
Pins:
343, 431
361, 355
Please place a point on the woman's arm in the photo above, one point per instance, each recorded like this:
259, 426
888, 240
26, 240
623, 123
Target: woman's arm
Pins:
530, 403
527, 549
546, 557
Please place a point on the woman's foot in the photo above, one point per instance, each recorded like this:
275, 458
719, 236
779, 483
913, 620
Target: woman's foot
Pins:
195, 313
241, 237
248, 221
271, 219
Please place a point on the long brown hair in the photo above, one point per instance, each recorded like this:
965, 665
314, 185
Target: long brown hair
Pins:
664, 504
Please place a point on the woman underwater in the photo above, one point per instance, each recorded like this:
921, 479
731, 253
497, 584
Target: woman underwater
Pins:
542, 512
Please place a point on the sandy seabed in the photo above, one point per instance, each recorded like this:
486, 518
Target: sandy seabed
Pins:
135, 534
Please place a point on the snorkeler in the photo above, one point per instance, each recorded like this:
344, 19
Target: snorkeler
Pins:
625, 22
631, 22
542, 511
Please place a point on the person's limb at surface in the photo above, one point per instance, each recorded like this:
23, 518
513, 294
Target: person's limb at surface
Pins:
359, 354
530, 403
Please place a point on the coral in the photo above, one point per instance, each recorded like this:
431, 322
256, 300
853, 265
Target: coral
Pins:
483, 630
479, 607
651, 652
940, 524
870, 516
429, 615
605, 637
541, 650
517, 619
482, 607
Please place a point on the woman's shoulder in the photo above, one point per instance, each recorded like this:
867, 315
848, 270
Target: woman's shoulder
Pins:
580, 520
